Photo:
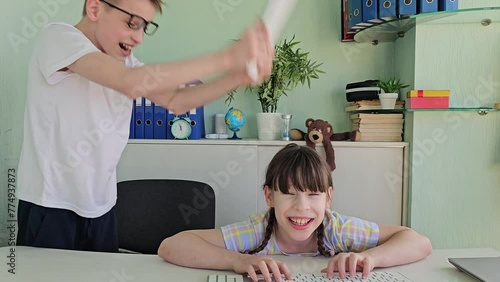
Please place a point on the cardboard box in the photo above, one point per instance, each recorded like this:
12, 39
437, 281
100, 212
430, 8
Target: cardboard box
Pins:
428, 102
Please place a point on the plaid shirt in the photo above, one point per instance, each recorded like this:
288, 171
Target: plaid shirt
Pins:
342, 234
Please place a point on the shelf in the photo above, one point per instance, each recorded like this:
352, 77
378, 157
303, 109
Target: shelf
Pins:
391, 30
256, 142
480, 111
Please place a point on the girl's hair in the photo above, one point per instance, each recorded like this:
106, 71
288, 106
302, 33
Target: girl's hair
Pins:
302, 168
156, 3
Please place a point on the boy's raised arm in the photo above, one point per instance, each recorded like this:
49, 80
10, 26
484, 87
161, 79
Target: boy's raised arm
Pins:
160, 82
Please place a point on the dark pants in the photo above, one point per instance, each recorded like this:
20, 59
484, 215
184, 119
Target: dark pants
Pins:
64, 229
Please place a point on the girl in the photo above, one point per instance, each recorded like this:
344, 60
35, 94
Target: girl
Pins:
298, 191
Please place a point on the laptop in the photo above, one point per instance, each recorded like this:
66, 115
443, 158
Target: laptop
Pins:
486, 269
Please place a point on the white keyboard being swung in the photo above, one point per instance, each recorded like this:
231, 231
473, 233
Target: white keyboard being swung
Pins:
377, 276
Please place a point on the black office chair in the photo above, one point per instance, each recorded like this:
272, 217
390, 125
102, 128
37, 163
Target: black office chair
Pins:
149, 211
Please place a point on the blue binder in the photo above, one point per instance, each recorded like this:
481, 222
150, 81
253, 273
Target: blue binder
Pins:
148, 119
131, 134
353, 13
447, 5
198, 129
427, 6
387, 9
407, 7
139, 118
369, 11
160, 122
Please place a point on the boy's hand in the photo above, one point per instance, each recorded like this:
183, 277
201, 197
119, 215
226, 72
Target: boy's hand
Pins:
351, 263
267, 266
254, 46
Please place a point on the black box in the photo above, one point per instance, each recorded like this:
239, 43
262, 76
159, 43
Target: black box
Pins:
364, 90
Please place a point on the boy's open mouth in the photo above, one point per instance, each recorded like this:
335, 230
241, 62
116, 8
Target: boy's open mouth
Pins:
125, 47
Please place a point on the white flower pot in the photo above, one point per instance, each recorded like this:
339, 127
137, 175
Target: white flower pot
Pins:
388, 100
269, 126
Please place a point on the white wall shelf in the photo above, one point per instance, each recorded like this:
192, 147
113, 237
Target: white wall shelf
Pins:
258, 142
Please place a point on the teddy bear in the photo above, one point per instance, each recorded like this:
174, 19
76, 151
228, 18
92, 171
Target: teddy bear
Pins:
320, 131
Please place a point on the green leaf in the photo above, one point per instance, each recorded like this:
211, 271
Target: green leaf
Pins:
392, 85
291, 67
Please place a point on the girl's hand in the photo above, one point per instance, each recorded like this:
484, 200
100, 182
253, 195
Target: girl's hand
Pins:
253, 46
267, 266
350, 262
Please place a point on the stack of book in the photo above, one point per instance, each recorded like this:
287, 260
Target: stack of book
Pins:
378, 126
371, 105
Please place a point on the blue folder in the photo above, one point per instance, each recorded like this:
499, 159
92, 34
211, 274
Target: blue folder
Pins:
198, 129
131, 134
427, 6
160, 122
148, 119
139, 118
447, 5
387, 9
369, 11
407, 7
353, 13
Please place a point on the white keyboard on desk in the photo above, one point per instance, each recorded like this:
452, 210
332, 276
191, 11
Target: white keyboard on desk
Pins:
378, 276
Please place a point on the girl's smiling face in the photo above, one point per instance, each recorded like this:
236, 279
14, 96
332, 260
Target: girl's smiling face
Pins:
298, 213
298, 188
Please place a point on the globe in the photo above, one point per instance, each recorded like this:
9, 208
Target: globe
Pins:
235, 119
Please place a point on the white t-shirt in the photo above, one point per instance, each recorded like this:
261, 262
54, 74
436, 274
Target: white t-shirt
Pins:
75, 130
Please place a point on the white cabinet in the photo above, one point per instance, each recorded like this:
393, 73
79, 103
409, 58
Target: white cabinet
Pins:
369, 182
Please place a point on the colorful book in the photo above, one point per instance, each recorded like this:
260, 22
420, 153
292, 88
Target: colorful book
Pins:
356, 126
380, 134
378, 121
373, 102
360, 107
428, 93
380, 130
360, 136
376, 116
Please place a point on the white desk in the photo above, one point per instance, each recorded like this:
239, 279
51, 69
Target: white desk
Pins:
50, 265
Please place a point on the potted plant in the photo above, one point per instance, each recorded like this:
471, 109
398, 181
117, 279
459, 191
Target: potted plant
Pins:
390, 93
291, 67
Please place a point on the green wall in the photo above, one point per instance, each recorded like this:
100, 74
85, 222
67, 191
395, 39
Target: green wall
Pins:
190, 28
455, 155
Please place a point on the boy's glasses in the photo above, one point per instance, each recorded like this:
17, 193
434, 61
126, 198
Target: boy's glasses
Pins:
137, 22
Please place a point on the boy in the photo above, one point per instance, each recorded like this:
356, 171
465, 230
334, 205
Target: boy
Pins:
82, 81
